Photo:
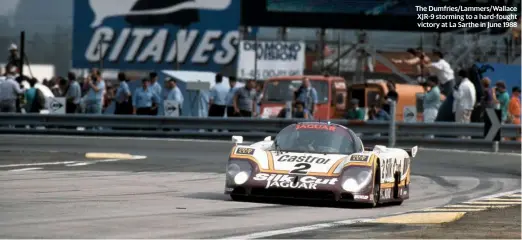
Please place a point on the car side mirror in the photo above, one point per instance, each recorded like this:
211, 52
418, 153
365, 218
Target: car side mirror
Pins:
237, 139
268, 139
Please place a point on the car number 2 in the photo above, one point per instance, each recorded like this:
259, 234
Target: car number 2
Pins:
301, 168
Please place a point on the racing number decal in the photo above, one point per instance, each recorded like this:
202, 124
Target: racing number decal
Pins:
301, 168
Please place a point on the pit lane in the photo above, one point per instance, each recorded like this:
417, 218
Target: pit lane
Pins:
177, 191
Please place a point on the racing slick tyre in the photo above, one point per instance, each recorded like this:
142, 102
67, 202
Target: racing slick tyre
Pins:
376, 191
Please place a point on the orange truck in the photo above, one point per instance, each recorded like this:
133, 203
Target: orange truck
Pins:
334, 94
278, 90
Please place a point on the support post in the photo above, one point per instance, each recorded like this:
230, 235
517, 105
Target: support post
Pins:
393, 125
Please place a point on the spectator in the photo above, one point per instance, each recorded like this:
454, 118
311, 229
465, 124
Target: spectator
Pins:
95, 89
156, 89
465, 99
392, 95
300, 111
502, 99
217, 98
73, 94
442, 69
259, 97
9, 91
378, 114
123, 96
34, 98
54, 86
355, 113
417, 58
514, 109
514, 106
144, 100
488, 97
230, 97
431, 101
308, 95
108, 96
244, 97
14, 57
173, 93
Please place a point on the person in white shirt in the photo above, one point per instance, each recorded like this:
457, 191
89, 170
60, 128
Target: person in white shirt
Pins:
442, 69
465, 99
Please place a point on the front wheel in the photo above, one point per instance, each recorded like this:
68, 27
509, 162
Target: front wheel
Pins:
376, 194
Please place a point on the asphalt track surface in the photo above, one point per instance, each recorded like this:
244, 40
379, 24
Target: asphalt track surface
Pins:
49, 190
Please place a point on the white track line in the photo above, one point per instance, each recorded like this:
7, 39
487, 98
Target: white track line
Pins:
273, 233
36, 164
300, 229
24, 169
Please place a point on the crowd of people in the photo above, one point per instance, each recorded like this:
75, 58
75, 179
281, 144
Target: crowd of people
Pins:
93, 95
439, 80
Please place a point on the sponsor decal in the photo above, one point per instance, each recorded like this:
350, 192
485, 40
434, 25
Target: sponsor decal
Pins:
360, 197
386, 194
359, 158
316, 127
294, 182
389, 166
273, 58
303, 159
245, 151
142, 34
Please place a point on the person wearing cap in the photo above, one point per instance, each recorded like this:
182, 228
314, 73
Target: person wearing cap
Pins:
144, 100
502, 99
514, 106
173, 93
123, 96
355, 112
156, 89
13, 58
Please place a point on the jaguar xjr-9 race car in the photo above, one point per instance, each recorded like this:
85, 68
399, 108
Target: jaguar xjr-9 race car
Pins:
324, 161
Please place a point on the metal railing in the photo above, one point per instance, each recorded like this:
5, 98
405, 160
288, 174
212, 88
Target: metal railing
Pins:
391, 133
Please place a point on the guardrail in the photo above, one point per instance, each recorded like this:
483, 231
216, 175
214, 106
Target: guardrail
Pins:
445, 135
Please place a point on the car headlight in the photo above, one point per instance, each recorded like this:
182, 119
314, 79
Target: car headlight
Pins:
355, 179
238, 172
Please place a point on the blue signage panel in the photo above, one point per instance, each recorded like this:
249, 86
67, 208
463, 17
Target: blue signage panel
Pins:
197, 35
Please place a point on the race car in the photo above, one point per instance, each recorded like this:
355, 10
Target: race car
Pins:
318, 160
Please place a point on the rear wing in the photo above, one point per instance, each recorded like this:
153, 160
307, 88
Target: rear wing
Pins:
412, 152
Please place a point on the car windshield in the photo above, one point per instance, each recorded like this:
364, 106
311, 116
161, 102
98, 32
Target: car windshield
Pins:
283, 90
315, 138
